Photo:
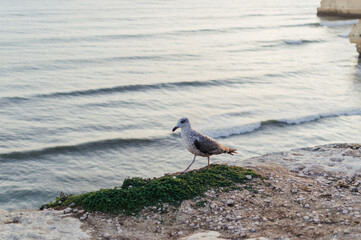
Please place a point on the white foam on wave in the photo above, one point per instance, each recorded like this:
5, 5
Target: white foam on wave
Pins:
235, 130
338, 23
251, 127
310, 118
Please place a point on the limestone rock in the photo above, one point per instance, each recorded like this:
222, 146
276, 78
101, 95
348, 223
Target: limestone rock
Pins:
355, 35
342, 8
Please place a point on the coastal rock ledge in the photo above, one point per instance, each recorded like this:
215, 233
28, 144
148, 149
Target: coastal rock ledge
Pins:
308, 193
355, 36
341, 8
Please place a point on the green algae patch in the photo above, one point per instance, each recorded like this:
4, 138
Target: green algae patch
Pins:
137, 193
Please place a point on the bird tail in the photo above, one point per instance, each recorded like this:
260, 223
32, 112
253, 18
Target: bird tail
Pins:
232, 151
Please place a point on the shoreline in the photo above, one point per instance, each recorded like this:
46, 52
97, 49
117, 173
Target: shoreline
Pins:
305, 201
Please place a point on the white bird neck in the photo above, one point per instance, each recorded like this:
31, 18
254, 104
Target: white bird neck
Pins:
186, 128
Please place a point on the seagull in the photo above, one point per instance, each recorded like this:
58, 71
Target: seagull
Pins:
198, 143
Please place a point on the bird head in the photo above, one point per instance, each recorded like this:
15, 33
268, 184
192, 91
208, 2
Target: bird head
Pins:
183, 122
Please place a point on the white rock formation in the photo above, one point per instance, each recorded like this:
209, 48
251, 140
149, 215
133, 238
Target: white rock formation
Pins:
342, 8
210, 235
355, 36
35, 224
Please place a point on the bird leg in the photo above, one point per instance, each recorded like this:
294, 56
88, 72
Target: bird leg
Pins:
208, 160
190, 164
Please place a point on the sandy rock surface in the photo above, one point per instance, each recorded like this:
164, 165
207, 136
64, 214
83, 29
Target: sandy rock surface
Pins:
36, 224
309, 193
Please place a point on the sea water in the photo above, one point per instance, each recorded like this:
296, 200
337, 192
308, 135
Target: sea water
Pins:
90, 90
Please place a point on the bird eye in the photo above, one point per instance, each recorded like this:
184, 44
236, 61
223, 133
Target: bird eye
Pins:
183, 121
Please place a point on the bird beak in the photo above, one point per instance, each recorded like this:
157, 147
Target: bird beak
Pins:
175, 128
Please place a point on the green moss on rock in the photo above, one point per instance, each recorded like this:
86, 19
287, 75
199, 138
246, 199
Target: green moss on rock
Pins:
137, 193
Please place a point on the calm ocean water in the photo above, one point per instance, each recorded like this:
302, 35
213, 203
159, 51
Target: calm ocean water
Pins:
90, 90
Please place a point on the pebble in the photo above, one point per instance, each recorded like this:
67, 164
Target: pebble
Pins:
306, 205
306, 217
72, 205
230, 202
83, 217
67, 210
249, 177
106, 235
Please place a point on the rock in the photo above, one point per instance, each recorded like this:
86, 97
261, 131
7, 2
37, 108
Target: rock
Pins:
84, 217
67, 210
72, 205
210, 235
213, 205
230, 202
249, 177
342, 183
341, 8
355, 37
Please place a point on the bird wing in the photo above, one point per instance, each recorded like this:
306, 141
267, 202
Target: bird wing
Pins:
207, 145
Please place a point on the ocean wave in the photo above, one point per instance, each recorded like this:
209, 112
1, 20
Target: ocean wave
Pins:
129, 88
338, 23
345, 34
251, 127
79, 147
235, 130
310, 118
300, 41
75, 63
8, 100
143, 87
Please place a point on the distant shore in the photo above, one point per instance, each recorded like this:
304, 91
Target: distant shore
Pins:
305, 201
